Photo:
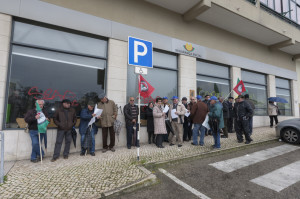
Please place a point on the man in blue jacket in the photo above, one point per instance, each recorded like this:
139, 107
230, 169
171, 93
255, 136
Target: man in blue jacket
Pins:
85, 117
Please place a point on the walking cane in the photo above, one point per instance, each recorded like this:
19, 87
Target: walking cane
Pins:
41, 155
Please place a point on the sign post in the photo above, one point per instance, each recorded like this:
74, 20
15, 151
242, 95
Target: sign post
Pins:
140, 54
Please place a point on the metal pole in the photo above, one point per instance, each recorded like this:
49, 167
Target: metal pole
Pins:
139, 122
227, 96
2, 159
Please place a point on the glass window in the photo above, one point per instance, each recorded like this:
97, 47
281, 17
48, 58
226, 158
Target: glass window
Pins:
255, 83
212, 79
278, 6
51, 76
283, 91
162, 78
60, 40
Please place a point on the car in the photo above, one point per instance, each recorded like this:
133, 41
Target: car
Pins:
289, 130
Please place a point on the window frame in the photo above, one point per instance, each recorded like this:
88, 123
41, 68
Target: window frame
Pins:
290, 91
12, 43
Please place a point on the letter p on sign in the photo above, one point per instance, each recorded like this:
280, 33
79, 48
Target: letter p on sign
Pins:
140, 52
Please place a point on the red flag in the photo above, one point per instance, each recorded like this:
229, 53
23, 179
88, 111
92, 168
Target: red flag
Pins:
145, 89
240, 88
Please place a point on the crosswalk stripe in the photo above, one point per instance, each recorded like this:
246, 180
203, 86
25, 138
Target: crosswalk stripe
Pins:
253, 158
281, 178
184, 185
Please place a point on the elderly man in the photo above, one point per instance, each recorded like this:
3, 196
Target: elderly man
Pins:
225, 116
107, 118
216, 121
176, 116
198, 115
85, 117
64, 118
230, 119
31, 118
187, 122
131, 112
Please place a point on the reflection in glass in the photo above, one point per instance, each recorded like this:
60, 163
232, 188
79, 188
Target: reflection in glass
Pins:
258, 94
212, 86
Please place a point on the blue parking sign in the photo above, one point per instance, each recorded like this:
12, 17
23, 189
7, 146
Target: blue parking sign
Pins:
140, 52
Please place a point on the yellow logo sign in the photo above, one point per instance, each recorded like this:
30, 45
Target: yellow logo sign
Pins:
189, 47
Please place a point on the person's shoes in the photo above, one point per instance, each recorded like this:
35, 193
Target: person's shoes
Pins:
161, 146
112, 149
179, 145
66, 157
248, 142
172, 144
104, 150
53, 159
193, 144
224, 136
206, 134
34, 161
271, 126
240, 141
82, 153
129, 147
201, 144
93, 154
137, 145
212, 146
39, 158
216, 148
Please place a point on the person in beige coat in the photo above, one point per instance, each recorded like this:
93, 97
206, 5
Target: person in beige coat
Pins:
107, 118
176, 121
159, 122
273, 112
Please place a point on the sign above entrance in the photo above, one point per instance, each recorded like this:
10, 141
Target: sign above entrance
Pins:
140, 52
186, 48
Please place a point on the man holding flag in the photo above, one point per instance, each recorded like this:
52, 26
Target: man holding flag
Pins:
37, 120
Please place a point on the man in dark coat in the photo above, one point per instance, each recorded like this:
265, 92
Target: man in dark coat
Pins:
198, 114
230, 119
150, 123
186, 125
31, 118
243, 112
225, 116
247, 99
85, 117
64, 118
131, 112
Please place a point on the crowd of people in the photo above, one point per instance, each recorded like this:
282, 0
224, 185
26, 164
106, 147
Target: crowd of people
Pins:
174, 122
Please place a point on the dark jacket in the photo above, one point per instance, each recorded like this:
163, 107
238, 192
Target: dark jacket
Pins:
251, 103
62, 122
31, 120
85, 118
150, 122
215, 112
199, 112
226, 109
230, 108
242, 109
128, 114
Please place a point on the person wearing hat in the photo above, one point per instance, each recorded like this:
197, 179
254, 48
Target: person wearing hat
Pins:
186, 125
107, 118
167, 121
85, 117
216, 121
243, 112
177, 120
198, 115
64, 118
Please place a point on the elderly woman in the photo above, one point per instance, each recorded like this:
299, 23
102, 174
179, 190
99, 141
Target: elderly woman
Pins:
273, 112
159, 122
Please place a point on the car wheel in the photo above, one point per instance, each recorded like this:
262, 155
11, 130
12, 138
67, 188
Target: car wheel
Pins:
291, 135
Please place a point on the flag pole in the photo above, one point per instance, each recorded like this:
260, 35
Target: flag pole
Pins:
41, 155
227, 96
139, 122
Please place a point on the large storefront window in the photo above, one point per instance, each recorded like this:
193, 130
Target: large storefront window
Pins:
163, 77
256, 85
212, 79
283, 90
52, 65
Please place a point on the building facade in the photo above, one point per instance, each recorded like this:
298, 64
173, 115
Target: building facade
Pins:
57, 49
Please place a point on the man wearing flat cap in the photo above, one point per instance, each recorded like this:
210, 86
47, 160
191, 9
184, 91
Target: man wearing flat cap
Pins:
107, 119
85, 117
177, 120
64, 118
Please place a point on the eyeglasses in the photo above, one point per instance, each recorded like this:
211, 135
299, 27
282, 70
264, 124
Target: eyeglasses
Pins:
132, 100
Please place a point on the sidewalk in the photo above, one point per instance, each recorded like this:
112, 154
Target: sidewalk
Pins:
91, 177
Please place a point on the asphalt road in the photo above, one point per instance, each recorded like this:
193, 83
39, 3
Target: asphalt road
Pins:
217, 184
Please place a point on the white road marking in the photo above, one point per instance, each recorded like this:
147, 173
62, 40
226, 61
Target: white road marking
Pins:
184, 185
281, 178
253, 158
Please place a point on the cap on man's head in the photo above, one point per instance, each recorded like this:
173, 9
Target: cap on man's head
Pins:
199, 97
165, 97
91, 103
213, 98
230, 98
241, 96
184, 98
66, 101
102, 95
174, 97
247, 96
206, 95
